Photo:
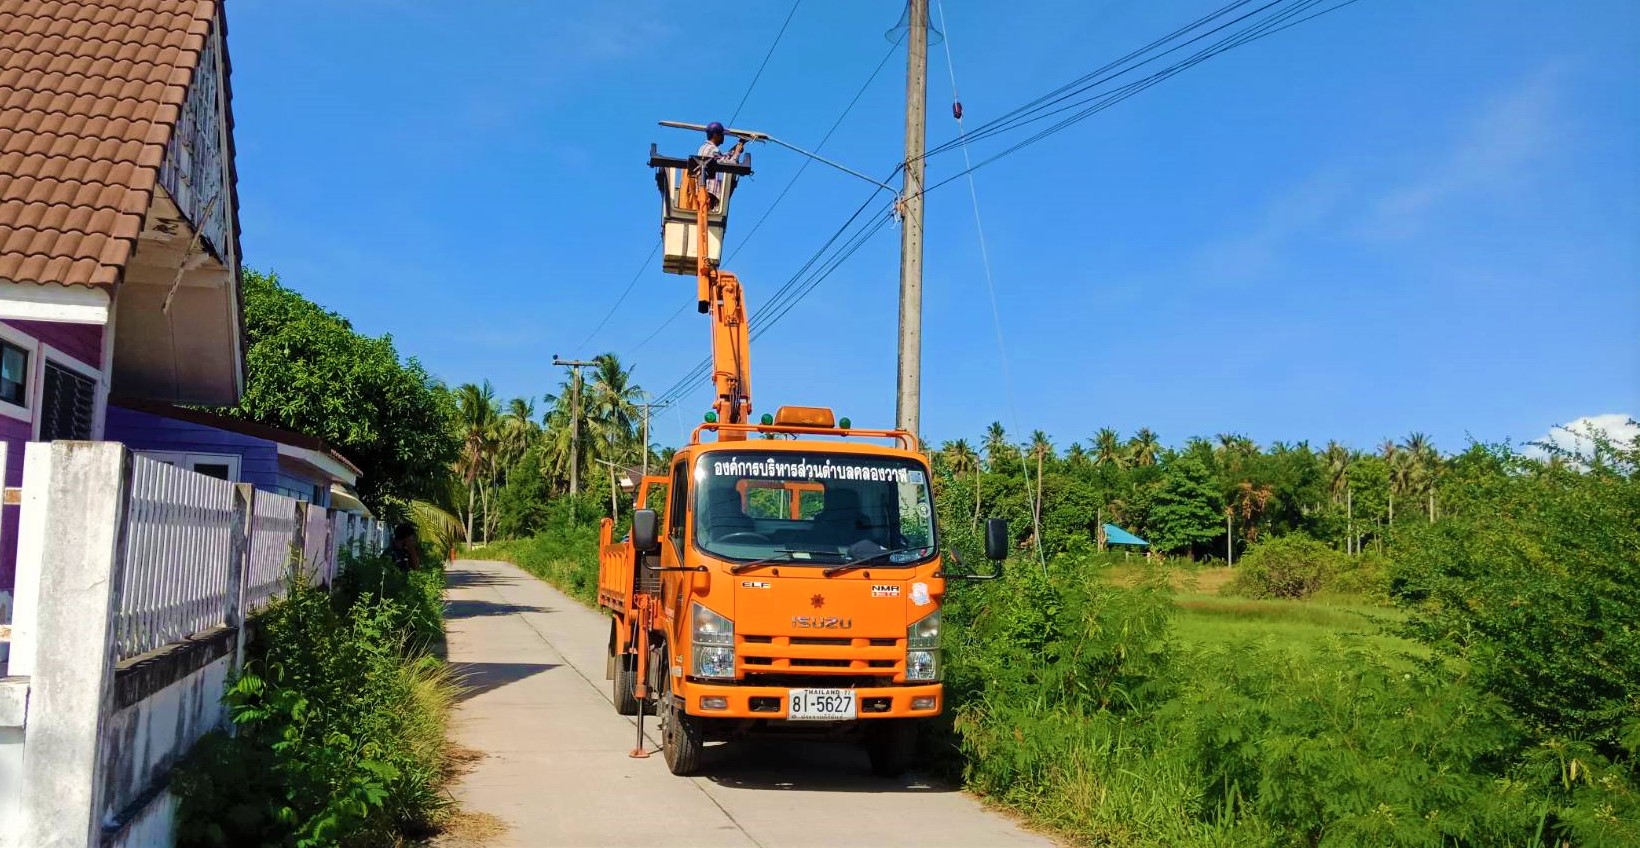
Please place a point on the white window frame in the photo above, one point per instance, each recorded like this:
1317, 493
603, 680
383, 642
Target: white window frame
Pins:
99, 406
188, 460
30, 346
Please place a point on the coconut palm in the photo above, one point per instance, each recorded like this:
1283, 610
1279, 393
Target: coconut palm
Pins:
997, 449
1107, 449
1426, 467
1144, 448
1076, 456
1336, 459
1040, 448
476, 416
962, 459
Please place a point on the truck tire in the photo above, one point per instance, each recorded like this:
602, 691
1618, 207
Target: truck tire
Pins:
682, 738
626, 677
891, 744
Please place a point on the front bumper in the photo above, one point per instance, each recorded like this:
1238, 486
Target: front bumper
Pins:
769, 702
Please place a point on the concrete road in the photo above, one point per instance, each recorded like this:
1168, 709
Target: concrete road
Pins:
556, 768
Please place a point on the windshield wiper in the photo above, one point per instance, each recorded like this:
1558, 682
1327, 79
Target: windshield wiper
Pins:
785, 555
868, 559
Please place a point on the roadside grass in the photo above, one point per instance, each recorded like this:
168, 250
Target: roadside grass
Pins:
567, 558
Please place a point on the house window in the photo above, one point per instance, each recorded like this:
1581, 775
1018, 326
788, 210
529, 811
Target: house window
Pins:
68, 404
13, 374
222, 466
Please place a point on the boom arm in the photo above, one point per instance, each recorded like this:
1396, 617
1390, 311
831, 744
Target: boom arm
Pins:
720, 295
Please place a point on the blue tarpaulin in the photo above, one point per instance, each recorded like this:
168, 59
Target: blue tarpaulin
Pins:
1117, 536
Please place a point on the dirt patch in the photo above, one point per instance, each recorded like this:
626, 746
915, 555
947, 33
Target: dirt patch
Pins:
470, 830
460, 760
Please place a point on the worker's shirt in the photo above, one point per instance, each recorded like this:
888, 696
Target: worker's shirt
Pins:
714, 183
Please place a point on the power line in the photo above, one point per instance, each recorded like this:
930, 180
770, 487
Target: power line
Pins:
766, 57
818, 147
1099, 102
620, 300
743, 97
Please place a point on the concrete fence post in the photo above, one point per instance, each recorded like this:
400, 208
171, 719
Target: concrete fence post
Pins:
298, 541
75, 495
239, 563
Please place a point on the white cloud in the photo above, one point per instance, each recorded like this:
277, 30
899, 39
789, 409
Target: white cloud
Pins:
1495, 151
1574, 437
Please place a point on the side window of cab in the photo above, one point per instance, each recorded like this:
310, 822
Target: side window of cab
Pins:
675, 511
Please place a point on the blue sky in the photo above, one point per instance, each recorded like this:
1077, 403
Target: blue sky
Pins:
1400, 216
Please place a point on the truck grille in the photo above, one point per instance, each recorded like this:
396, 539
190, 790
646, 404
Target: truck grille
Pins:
828, 655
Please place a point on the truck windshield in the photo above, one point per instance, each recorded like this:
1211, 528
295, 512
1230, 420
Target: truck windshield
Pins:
820, 509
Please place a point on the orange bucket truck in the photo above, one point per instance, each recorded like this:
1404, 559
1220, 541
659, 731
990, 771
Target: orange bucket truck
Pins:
783, 575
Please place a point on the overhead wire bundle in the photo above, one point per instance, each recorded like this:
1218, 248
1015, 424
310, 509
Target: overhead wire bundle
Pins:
1072, 103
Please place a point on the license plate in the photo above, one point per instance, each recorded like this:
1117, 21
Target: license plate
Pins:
820, 704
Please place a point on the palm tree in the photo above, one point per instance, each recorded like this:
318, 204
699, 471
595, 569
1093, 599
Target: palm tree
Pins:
1426, 467
1107, 449
518, 431
961, 458
1144, 448
997, 448
1396, 462
1076, 456
476, 417
1041, 448
1336, 459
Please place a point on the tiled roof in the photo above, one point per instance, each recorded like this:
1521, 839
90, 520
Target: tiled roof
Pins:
89, 95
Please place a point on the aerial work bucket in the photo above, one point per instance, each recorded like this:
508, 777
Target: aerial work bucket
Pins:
678, 180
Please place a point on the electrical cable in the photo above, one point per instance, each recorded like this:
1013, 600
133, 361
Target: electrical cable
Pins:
620, 300
806, 161
1104, 100
991, 289
765, 64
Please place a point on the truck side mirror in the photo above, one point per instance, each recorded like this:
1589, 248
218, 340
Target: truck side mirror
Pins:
996, 539
646, 531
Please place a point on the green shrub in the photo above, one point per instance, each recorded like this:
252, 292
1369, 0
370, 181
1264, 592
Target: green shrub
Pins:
1286, 567
565, 555
340, 723
1536, 585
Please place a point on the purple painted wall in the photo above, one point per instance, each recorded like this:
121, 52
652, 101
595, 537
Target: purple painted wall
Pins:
81, 341
258, 458
13, 435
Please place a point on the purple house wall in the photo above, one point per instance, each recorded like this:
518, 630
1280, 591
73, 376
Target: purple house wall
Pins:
81, 342
144, 431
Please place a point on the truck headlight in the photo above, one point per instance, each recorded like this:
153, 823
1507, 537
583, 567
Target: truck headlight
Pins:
922, 656
709, 628
714, 661
713, 637
924, 634
922, 665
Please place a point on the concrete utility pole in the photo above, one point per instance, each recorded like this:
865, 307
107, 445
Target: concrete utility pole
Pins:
646, 405
909, 408
575, 365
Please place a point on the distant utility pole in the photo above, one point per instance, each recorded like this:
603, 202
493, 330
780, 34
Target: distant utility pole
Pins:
646, 407
909, 410
575, 366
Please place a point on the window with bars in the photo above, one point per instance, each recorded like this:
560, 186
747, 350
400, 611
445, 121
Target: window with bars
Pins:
68, 404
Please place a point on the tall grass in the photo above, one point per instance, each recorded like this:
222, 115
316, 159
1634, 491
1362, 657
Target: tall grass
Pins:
340, 715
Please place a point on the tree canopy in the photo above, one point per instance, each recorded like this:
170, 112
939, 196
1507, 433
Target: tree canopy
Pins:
309, 371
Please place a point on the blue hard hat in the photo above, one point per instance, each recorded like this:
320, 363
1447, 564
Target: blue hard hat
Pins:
714, 128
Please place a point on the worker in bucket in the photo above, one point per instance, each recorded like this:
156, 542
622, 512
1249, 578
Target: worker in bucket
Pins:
713, 149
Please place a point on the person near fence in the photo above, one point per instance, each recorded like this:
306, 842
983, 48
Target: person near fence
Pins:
405, 548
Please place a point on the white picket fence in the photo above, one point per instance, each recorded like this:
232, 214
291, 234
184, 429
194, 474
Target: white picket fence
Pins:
183, 534
135, 582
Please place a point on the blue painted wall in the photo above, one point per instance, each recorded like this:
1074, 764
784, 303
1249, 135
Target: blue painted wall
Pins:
258, 458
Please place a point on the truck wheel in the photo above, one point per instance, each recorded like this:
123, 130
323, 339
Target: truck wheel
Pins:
626, 676
892, 745
681, 734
